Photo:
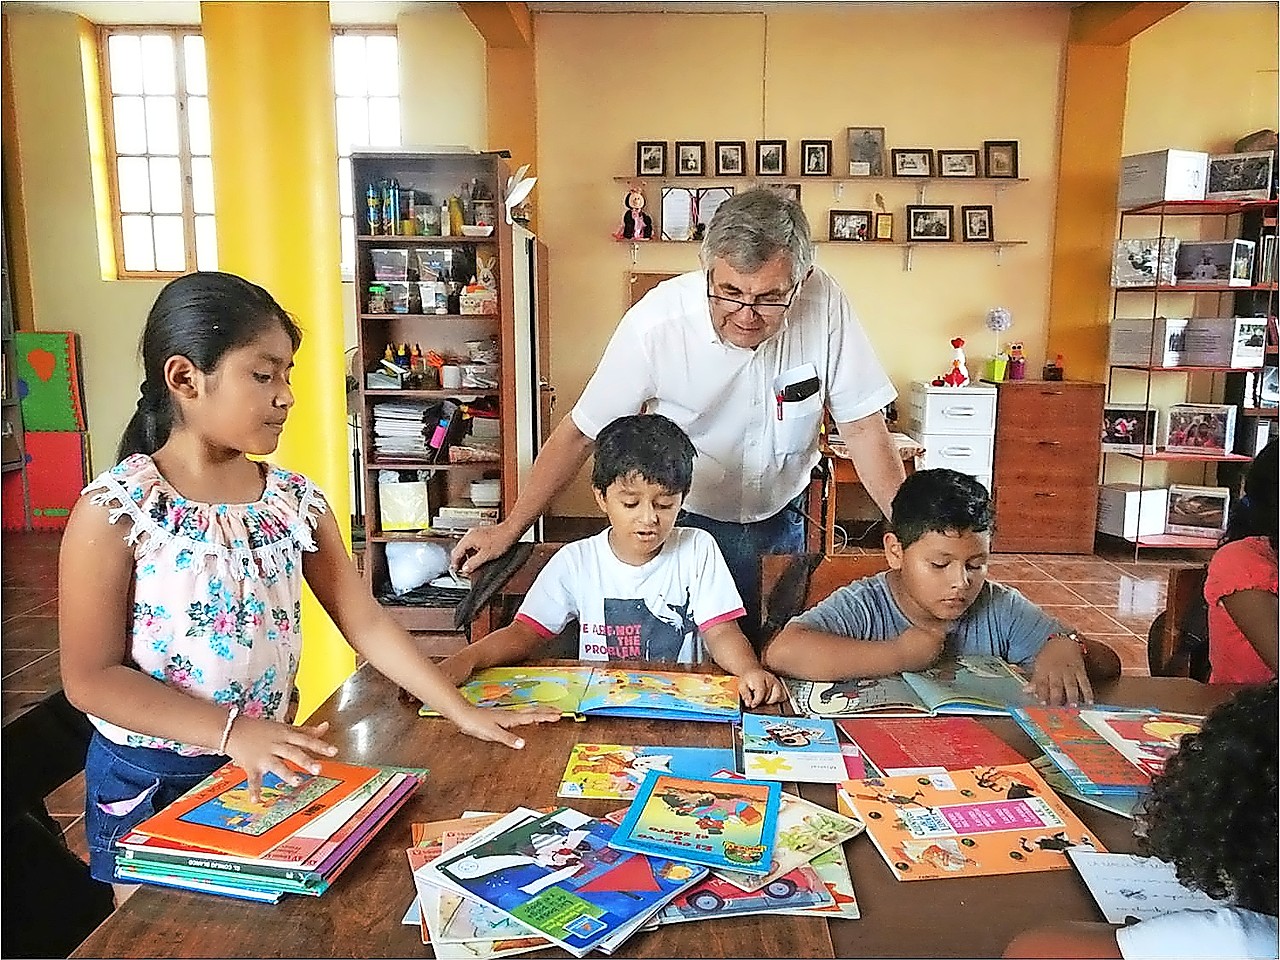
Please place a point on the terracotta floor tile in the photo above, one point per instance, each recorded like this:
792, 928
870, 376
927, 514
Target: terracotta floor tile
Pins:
1141, 598
30, 632
13, 659
1049, 592
1006, 570
1097, 594
16, 601
14, 703
1079, 571
43, 675
1138, 625
76, 840
1088, 620
68, 799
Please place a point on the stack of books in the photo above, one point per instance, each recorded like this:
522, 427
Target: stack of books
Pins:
294, 839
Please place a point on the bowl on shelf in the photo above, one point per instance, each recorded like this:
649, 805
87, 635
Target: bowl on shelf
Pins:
470, 230
486, 493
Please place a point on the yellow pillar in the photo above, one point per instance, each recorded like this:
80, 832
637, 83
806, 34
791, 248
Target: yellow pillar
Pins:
275, 171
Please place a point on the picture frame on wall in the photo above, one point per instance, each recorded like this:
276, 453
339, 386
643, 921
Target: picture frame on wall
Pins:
815, 158
1000, 159
1129, 428
958, 163
691, 158
1201, 428
731, 158
928, 223
866, 151
1197, 511
911, 163
976, 225
651, 158
850, 225
771, 158
884, 226
1240, 176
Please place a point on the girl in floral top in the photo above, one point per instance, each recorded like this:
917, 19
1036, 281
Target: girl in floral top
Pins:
181, 574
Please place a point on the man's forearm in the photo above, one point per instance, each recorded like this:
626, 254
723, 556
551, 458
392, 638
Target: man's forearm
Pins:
875, 457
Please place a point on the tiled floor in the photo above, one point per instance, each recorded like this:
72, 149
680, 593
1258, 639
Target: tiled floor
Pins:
1111, 599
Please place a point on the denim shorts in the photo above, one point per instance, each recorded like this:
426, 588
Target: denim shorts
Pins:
124, 786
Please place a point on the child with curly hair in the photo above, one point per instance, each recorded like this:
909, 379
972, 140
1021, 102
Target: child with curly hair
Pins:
1212, 814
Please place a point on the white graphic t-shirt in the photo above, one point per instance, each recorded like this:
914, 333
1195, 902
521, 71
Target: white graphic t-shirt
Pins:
656, 611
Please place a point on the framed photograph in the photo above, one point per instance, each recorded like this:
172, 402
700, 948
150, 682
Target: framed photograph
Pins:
651, 158
912, 163
771, 158
1128, 428
1227, 263
884, 226
1000, 158
691, 158
789, 190
975, 224
1208, 428
1240, 176
686, 211
1197, 511
815, 158
866, 151
731, 158
850, 225
930, 222
1144, 262
957, 163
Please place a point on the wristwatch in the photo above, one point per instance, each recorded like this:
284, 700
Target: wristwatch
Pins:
1072, 636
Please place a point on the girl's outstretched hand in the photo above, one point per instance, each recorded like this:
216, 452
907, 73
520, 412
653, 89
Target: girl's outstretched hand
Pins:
494, 724
263, 746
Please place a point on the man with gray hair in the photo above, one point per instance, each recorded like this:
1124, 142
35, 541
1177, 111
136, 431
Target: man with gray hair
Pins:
745, 355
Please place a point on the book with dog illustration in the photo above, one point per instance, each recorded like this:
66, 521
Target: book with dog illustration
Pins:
967, 823
800, 749
611, 771
967, 684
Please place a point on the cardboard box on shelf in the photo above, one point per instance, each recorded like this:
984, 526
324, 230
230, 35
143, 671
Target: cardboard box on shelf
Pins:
1129, 511
1225, 341
1131, 341
1162, 175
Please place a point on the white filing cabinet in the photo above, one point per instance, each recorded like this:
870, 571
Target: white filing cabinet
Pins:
955, 425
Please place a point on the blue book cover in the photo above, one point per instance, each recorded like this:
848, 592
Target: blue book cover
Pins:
803, 749
724, 824
612, 771
661, 694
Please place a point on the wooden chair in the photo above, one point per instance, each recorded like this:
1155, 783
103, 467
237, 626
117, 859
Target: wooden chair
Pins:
1178, 641
792, 583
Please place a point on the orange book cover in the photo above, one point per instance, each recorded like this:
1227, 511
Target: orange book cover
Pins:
967, 823
218, 814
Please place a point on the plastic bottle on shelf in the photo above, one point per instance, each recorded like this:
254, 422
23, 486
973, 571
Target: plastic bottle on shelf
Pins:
391, 207
456, 219
373, 210
444, 219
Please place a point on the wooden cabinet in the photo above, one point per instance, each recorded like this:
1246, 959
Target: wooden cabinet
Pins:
1045, 480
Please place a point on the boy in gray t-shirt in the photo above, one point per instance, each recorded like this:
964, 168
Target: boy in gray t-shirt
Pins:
936, 597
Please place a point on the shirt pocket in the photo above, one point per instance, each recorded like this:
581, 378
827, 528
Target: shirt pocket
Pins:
797, 409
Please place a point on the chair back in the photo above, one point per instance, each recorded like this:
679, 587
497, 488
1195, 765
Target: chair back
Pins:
1178, 641
792, 583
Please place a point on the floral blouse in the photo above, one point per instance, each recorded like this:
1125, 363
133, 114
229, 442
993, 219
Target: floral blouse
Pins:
217, 589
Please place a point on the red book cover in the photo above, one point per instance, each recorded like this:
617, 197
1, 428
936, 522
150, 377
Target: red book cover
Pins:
905, 745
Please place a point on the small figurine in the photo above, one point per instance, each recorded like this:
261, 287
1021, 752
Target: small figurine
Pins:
484, 272
958, 375
1017, 362
636, 224
1053, 370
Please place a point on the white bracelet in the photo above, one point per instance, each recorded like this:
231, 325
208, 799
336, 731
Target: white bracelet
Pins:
226, 731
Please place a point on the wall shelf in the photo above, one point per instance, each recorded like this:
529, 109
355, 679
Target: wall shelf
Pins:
422, 241
1198, 208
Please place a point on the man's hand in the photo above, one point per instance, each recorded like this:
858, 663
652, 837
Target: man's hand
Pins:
480, 545
760, 687
1059, 675
919, 648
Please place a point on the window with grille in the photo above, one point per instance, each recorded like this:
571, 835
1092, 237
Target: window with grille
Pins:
157, 109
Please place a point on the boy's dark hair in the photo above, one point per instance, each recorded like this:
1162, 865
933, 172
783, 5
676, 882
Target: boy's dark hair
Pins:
1212, 813
199, 316
939, 501
1257, 514
646, 444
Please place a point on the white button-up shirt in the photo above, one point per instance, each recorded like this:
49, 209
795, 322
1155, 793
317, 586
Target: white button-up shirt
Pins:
755, 452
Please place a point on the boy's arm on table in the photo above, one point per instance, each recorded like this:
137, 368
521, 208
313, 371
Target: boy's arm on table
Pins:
730, 649
1081, 939
809, 653
513, 643
371, 631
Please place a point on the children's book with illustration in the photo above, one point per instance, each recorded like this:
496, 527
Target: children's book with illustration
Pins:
967, 823
715, 898
800, 749
605, 691
1146, 738
907, 745
1121, 804
722, 823
610, 771
1128, 887
558, 875
833, 870
968, 684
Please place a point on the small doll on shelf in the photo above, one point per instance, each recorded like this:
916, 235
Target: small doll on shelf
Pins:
636, 224
1017, 362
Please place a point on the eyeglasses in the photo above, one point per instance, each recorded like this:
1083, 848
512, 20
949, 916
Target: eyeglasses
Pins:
765, 311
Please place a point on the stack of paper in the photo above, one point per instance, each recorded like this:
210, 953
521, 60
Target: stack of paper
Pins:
292, 840
402, 430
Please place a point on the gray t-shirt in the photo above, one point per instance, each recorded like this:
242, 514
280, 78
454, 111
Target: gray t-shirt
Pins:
1000, 623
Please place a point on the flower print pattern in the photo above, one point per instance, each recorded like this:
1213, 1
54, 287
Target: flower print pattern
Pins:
259, 699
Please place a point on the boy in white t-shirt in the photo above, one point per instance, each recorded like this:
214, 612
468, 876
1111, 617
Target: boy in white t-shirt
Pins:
641, 589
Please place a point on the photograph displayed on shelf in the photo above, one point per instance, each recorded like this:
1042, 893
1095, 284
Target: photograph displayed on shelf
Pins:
912, 163
771, 158
1000, 158
1240, 176
1237, 342
789, 190
957, 163
686, 211
1267, 260
866, 151
1134, 262
1128, 428
731, 158
816, 157
651, 158
691, 158
975, 224
1197, 511
850, 225
929, 222
1228, 263
884, 226
1208, 428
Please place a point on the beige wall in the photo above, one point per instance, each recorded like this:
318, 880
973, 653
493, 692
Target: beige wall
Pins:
945, 76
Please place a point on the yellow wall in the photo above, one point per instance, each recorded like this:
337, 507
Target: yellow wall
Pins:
945, 76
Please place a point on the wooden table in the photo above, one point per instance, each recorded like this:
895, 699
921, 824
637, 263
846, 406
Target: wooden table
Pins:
360, 916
